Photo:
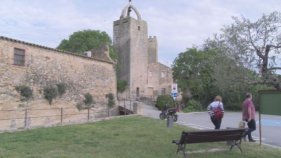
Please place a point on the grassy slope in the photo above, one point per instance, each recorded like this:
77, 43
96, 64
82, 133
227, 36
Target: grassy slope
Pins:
126, 137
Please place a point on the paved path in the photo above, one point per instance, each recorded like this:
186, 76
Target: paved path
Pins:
271, 125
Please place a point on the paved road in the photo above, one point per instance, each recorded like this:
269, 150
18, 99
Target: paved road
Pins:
271, 125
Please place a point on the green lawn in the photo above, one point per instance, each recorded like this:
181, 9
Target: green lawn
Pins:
125, 137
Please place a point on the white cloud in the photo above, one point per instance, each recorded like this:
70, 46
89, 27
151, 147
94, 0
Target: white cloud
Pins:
177, 24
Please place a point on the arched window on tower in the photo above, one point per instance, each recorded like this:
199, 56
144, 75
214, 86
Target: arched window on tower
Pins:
139, 28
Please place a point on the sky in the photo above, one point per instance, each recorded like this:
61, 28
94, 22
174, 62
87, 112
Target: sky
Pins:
178, 24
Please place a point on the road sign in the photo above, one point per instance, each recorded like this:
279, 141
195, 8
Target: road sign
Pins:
174, 95
174, 91
174, 88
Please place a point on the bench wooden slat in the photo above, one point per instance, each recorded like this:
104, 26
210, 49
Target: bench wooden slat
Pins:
204, 136
211, 136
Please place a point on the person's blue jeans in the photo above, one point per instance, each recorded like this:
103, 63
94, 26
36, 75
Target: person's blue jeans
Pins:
216, 122
251, 127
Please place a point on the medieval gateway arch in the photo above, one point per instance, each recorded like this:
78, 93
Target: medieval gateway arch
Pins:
138, 57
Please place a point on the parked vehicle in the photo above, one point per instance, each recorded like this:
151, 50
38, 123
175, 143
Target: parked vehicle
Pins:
169, 112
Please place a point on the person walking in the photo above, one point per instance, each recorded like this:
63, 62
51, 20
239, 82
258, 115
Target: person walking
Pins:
248, 115
216, 111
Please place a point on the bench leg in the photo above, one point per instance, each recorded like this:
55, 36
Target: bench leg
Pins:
236, 143
181, 147
239, 146
184, 153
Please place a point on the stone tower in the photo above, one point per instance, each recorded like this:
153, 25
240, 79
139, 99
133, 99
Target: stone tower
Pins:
131, 43
152, 50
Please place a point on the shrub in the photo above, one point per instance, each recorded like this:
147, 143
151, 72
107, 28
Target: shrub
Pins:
88, 101
80, 106
110, 100
121, 85
50, 93
61, 88
192, 105
164, 101
24, 91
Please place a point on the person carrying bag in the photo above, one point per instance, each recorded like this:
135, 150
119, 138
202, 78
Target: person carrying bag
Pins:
216, 111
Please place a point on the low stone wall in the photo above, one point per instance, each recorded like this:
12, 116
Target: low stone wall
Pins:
47, 116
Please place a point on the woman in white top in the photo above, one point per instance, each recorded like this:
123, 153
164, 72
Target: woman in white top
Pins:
216, 111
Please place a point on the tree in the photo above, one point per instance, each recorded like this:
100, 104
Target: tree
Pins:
61, 88
256, 45
25, 92
192, 70
50, 93
121, 85
82, 41
209, 72
88, 101
110, 101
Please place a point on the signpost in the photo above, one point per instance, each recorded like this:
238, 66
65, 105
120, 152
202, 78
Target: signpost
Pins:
174, 91
174, 94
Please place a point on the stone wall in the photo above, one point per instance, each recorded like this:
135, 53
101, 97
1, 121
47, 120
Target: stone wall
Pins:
159, 79
153, 79
46, 66
165, 78
152, 50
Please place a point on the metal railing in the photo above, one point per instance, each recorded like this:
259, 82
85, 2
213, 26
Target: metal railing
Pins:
25, 118
29, 118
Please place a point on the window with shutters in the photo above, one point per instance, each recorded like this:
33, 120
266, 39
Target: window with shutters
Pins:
19, 57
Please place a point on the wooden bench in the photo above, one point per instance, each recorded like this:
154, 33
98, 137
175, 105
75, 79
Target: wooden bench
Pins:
233, 136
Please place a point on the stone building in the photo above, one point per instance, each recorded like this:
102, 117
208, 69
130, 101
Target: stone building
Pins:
138, 57
23, 63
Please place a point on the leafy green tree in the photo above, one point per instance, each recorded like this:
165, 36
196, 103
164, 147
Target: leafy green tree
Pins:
88, 101
121, 85
85, 40
24, 91
229, 76
209, 72
110, 101
82, 41
50, 93
255, 45
61, 88
192, 70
